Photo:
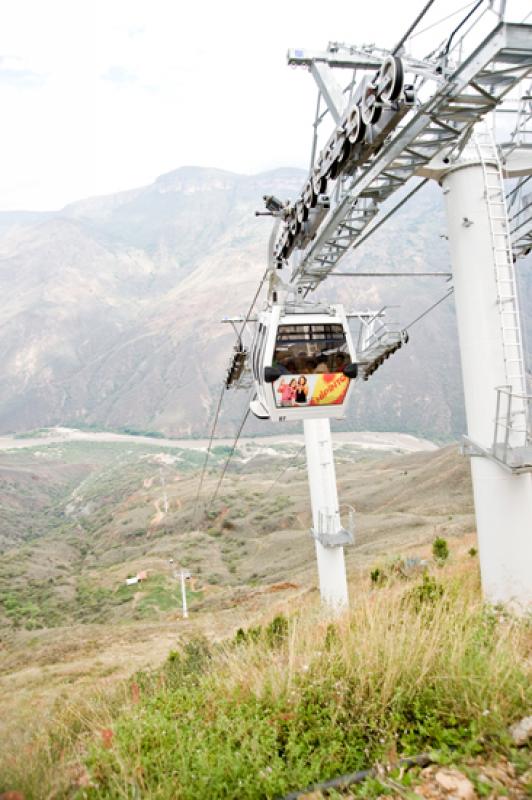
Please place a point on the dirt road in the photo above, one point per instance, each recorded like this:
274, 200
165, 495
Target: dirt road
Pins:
362, 439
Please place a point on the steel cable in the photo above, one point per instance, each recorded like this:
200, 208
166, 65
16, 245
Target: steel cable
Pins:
343, 782
252, 306
229, 457
291, 461
443, 19
413, 26
207, 454
445, 52
261, 284
428, 310
389, 214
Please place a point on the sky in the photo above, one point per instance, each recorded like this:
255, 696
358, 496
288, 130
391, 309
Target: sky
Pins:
98, 96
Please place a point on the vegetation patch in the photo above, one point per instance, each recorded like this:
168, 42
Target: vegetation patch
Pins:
159, 594
301, 700
440, 550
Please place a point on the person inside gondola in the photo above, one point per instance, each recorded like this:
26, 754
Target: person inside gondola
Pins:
286, 366
301, 393
340, 361
287, 392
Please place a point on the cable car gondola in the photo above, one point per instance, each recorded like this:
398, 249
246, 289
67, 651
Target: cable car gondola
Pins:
303, 361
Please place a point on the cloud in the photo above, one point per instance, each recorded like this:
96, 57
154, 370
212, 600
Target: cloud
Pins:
14, 73
120, 75
98, 97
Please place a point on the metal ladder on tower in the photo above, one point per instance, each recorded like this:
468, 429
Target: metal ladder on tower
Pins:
511, 440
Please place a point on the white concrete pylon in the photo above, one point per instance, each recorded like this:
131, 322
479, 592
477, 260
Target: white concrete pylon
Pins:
324, 502
184, 575
503, 501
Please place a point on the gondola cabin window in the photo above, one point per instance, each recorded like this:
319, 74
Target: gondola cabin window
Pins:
311, 359
311, 349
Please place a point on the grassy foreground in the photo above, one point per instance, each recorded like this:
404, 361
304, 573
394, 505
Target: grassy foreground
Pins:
414, 666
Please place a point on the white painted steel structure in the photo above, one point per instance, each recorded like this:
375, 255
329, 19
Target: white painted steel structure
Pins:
448, 103
492, 356
327, 528
419, 118
184, 576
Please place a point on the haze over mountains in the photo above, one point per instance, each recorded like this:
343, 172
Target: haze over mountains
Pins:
112, 306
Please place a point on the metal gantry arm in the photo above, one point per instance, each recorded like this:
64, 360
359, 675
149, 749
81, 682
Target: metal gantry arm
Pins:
519, 198
435, 128
345, 57
336, 55
521, 220
330, 89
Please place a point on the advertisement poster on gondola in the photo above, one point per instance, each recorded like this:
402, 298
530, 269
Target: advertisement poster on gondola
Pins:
296, 391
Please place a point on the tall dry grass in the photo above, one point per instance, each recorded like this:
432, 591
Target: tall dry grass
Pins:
407, 667
389, 643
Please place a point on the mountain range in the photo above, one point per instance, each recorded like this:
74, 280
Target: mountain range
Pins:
112, 308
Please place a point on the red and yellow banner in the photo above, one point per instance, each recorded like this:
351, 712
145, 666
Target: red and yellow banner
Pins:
330, 389
299, 391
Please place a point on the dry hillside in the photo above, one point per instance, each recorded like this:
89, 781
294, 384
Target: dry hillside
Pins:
68, 622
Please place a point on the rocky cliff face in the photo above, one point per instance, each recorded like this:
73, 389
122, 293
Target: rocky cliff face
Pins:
111, 308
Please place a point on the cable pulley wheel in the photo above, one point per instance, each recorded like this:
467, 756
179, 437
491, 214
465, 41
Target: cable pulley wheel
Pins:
295, 226
319, 181
338, 163
390, 79
326, 161
370, 110
309, 195
287, 246
339, 152
283, 244
334, 170
301, 212
354, 127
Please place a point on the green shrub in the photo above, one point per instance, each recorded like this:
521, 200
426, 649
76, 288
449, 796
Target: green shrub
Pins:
240, 636
429, 591
440, 550
331, 637
377, 576
277, 631
248, 636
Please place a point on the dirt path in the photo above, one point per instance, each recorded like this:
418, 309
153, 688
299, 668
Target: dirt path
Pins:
159, 515
362, 439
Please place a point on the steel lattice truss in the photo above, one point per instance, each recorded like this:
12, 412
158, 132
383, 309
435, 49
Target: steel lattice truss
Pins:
406, 118
520, 197
415, 132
